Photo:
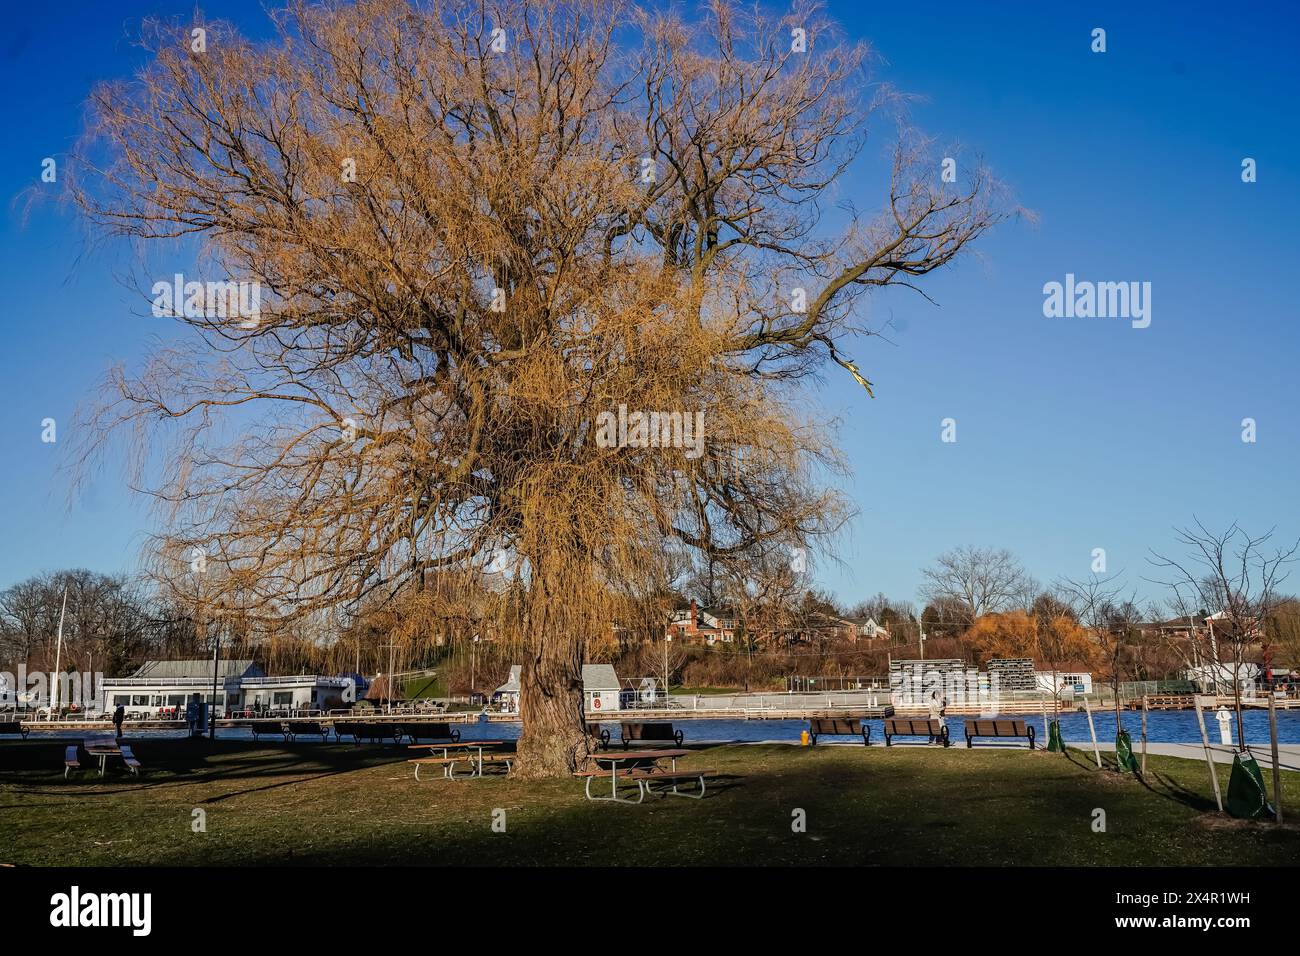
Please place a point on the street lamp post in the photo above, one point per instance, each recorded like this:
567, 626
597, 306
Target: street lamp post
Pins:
668, 639
473, 662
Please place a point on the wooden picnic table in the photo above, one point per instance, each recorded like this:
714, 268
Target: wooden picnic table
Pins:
475, 760
635, 758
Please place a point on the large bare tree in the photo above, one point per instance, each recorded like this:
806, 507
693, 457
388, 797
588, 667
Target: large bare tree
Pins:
477, 227
983, 580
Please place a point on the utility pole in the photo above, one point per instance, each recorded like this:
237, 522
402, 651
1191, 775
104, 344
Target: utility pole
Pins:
920, 627
216, 661
388, 685
473, 663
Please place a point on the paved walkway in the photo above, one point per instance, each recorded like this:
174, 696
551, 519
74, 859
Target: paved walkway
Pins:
1288, 754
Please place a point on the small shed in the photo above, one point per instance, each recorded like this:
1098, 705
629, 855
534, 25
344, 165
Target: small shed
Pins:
600, 688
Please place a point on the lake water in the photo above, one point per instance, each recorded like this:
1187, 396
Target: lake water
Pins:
1167, 726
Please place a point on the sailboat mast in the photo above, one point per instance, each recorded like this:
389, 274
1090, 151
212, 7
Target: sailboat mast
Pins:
58, 654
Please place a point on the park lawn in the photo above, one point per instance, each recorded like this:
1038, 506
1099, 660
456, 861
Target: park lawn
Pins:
421, 687
313, 803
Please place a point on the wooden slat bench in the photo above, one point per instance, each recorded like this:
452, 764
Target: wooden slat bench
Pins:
14, 727
600, 732
430, 731
658, 732
265, 728
306, 728
373, 731
914, 727
130, 760
71, 760
838, 727
998, 728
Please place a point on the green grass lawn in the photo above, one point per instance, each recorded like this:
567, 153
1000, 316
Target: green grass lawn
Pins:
322, 804
425, 687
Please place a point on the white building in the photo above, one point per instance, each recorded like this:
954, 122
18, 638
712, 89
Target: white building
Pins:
295, 692
507, 695
600, 688
163, 688
1218, 678
1067, 683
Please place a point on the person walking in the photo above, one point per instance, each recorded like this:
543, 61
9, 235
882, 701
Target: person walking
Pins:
119, 715
936, 708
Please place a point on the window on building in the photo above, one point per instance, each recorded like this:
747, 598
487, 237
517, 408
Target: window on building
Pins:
283, 697
139, 700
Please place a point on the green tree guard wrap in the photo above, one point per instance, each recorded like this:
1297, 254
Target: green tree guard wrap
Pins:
1055, 742
1247, 798
1124, 753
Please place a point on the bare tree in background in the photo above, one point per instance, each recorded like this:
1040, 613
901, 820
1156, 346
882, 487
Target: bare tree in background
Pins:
982, 579
1234, 575
478, 227
1097, 605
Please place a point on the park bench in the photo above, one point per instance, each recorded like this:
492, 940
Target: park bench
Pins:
268, 727
369, 730
71, 760
914, 727
600, 732
657, 732
13, 727
430, 731
303, 728
998, 728
838, 727
130, 760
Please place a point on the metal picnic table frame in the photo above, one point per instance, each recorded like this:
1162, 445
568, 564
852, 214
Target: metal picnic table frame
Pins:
449, 769
615, 757
103, 751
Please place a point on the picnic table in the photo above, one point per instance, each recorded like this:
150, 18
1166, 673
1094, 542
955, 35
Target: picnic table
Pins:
449, 762
629, 761
103, 749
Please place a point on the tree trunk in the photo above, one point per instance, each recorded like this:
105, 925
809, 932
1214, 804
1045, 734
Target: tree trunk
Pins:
554, 738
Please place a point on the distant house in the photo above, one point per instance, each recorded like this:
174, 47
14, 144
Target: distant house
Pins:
702, 624
864, 628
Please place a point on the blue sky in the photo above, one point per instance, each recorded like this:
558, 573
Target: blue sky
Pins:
1072, 434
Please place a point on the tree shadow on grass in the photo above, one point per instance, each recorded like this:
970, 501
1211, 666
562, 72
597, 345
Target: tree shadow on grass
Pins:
181, 764
1168, 788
